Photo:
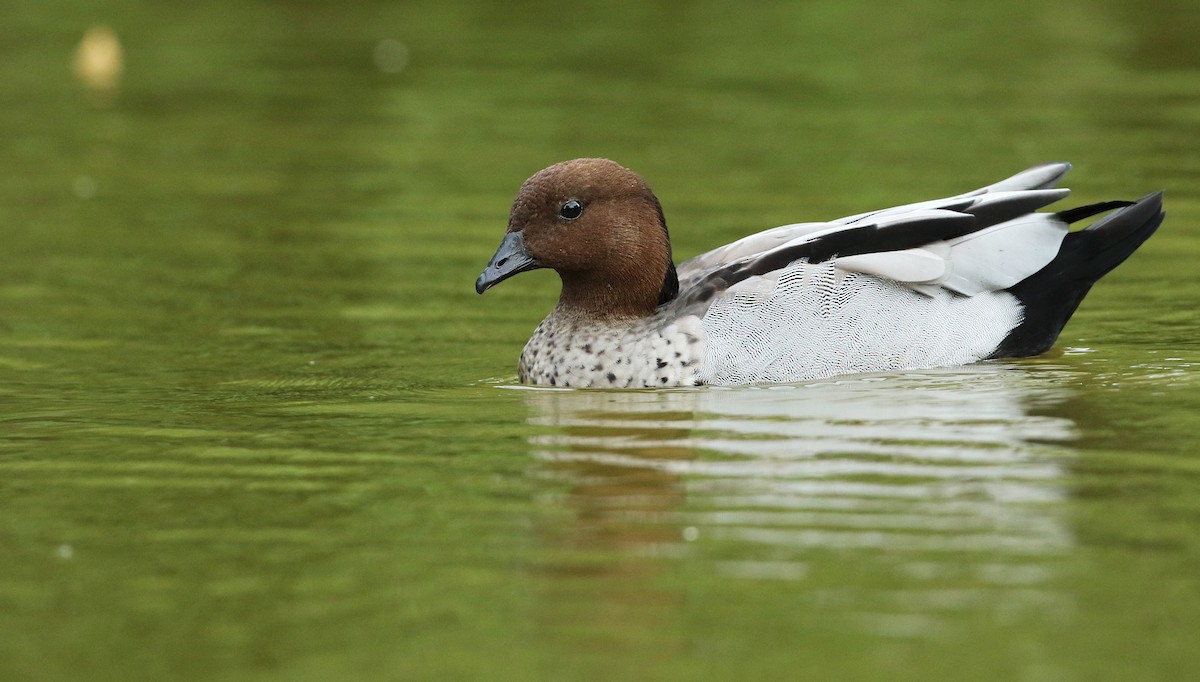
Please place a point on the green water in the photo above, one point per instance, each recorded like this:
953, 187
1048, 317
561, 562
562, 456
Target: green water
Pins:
256, 425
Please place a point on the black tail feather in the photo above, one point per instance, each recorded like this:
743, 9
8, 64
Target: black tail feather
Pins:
1074, 215
1051, 295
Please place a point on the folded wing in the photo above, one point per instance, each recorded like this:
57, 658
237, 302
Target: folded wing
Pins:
985, 240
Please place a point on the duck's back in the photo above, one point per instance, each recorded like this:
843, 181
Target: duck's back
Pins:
939, 283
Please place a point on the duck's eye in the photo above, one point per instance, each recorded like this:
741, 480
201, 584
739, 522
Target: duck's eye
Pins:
570, 209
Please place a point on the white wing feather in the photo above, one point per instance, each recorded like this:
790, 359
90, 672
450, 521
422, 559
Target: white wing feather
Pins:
1004, 254
913, 266
989, 260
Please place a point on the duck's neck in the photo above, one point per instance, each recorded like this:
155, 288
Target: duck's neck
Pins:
631, 294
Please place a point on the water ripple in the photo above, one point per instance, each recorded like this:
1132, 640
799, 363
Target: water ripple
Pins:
920, 476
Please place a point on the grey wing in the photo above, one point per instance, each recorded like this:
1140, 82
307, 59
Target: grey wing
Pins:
1024, 192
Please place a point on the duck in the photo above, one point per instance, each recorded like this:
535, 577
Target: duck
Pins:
978, 276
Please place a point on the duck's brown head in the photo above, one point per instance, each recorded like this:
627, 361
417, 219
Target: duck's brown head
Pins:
600, 227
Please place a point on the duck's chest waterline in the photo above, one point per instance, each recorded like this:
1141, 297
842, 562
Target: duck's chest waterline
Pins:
633, 354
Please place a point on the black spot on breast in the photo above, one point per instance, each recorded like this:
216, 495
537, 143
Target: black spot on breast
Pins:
587, 348
553, 381
661, 363
663, 379
612, 378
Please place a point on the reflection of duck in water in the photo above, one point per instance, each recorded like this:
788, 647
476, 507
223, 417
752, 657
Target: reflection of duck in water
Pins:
938, 283
951, 456
888, 504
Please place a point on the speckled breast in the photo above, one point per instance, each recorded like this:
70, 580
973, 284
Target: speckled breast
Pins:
634, 354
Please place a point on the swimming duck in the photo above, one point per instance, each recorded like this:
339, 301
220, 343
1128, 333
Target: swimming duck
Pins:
938, 283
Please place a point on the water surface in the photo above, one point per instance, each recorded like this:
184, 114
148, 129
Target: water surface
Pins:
255, 424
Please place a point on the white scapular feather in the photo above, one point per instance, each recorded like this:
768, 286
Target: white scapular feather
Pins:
1004, 254
989, 260
760, 243
1031, 178
911, 266
917, 216
1038, 197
